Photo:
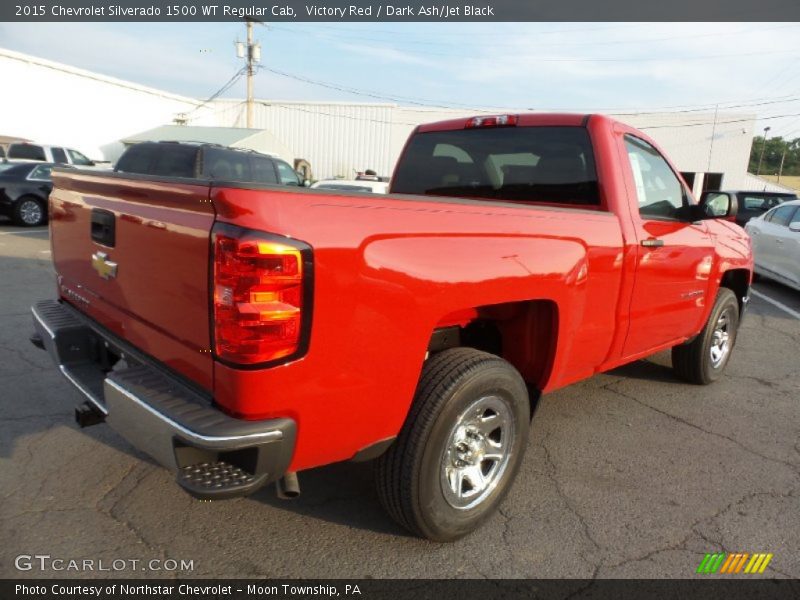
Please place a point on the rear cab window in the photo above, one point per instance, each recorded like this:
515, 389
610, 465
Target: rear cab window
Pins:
538, 164
27, 152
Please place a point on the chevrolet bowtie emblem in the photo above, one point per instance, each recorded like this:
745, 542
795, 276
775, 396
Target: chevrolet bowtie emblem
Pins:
105, 268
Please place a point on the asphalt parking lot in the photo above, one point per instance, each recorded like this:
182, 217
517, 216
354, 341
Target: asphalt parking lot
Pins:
629, 474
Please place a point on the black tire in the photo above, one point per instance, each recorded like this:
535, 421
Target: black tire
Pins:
22, 214
693, 361
412, 477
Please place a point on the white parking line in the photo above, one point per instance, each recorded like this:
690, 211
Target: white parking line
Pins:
775, 303
24, 231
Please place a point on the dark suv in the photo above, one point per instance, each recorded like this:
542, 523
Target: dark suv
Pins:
206, 161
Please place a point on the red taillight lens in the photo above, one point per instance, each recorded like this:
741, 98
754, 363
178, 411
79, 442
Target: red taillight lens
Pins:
494, 121
259, 296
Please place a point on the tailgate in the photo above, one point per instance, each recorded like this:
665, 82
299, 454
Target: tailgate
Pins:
133, 254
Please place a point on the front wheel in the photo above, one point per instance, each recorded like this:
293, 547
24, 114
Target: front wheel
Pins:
460, 447
703, 360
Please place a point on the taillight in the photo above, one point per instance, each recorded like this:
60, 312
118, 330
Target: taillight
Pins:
494, 121
261, 296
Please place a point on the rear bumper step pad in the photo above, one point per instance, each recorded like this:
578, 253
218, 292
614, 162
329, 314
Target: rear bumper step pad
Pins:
212, 454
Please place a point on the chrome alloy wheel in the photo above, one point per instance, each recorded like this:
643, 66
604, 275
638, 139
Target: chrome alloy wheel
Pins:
30, 212
477, 452
720, 340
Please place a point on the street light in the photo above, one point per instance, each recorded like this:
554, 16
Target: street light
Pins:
763, 147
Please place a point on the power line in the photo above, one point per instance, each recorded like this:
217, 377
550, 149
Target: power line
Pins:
338, 116
700, 123
437, 104
367, 93
228, 84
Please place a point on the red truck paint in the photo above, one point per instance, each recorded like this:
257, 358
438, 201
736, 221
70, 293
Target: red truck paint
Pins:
572, 289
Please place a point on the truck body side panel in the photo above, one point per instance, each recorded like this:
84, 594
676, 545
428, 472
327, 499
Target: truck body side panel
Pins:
387, 271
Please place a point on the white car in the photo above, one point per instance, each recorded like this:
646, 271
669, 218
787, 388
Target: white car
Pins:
26, 151
352, 185
776, 243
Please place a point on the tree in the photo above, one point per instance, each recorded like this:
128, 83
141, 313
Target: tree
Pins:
772, 156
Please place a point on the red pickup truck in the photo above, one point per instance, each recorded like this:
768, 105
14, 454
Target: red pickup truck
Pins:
242, 332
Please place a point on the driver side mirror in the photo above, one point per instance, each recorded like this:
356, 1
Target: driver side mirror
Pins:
795, 226
718, 205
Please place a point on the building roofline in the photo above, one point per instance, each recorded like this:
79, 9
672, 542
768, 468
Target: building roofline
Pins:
56, 66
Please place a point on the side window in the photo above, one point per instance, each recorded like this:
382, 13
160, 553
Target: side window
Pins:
754, 203
41, 173
59, 155
174, 160
136, 159
659, 191
26, 151
286, 173
78, 158
226, 165
782, 215
263, 170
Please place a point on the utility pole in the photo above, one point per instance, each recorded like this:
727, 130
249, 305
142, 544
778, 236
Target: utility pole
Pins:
783, 158
763, 147
252, 53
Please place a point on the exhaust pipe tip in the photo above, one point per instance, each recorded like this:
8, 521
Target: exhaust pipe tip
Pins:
288, 487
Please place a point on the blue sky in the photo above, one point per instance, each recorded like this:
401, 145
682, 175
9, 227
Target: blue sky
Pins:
559, 66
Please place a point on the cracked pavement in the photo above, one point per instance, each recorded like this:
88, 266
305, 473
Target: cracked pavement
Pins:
628, 474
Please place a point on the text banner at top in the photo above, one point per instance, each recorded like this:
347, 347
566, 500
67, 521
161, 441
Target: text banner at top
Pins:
416, 11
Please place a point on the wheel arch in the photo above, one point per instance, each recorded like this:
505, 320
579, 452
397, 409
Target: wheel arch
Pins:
738, 281
524, 333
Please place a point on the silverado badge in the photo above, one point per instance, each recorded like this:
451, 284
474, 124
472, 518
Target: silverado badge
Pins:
105, 268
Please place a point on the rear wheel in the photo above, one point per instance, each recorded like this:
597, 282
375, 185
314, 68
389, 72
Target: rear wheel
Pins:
29, 212
460, 447
703, 360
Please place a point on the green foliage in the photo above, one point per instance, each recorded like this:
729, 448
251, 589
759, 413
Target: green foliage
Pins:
773, 152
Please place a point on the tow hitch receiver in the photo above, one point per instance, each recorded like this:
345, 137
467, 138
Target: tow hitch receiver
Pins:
87, 415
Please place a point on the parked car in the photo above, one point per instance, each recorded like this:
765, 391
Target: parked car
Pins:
352, 185
24, 189
51, 154
776, 243
754, 204
206, 161
240, 334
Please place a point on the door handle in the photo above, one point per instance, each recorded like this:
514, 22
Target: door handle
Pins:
652, 243
778, 241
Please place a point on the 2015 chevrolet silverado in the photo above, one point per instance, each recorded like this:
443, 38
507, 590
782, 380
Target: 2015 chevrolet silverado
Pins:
242, 332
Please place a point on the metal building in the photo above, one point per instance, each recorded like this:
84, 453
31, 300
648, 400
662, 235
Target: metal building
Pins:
341, 138
59, 104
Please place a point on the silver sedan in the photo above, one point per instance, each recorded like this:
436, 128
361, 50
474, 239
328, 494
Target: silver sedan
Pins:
776, 243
